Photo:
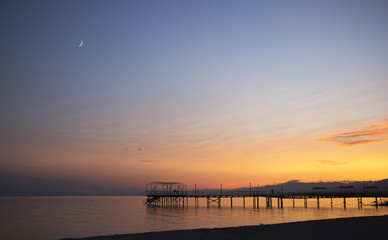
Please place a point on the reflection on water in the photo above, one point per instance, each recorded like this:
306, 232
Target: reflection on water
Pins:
60, 217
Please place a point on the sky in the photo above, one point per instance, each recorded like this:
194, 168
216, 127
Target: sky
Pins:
200, 92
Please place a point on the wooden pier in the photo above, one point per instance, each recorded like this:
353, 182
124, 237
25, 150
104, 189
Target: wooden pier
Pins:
176, 194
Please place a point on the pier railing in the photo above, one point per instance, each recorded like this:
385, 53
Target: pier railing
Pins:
212, 193
334, 194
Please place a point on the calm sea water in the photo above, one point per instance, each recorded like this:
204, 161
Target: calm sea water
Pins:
50, 218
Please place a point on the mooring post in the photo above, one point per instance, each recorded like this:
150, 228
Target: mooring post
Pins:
344, 202
331, 202
231, 202
195, 196
257, 200
244, 202
281, 202
318, 201
219, 202
305, 202
293, 202
278, 202
254, 202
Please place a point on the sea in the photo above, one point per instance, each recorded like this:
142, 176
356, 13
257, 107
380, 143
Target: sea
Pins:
52, 218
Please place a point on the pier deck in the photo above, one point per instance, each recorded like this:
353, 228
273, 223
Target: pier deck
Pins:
175, 194
166, 198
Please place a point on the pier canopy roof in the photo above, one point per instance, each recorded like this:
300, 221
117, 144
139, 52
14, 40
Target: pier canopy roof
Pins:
165, 188
166, 183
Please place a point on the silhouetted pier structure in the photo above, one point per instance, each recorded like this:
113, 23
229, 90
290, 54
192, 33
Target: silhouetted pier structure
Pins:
176, 194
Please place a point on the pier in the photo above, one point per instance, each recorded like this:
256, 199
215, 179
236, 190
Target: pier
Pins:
171, 194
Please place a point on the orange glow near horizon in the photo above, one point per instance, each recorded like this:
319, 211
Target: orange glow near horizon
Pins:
221, 160
216, 161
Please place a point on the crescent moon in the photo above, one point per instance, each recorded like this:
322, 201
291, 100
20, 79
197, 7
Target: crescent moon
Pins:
82, 43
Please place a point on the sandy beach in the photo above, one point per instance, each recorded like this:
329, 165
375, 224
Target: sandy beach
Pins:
375, 228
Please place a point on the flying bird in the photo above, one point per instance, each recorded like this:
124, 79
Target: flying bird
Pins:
81, 44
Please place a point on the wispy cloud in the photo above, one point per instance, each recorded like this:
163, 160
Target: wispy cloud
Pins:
361, 142
371, 134
331, 162
130, 150
148, 161
381, 126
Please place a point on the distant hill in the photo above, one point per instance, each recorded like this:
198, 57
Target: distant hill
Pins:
297, 186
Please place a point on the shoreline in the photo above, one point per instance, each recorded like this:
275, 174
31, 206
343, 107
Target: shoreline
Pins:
354, 228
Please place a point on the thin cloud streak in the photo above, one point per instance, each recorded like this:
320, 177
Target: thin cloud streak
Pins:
349, 144
349, 138
148, 161
380, 126
331, 162
379, 132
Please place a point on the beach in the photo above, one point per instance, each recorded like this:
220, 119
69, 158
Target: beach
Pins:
341, 228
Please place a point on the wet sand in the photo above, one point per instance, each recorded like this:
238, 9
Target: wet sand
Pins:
375, 228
